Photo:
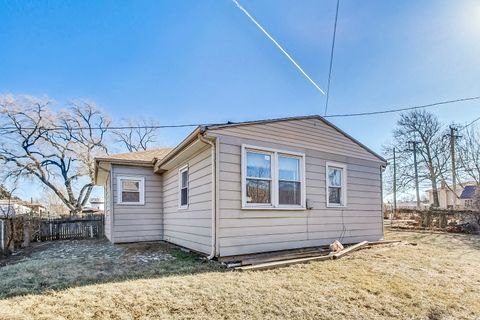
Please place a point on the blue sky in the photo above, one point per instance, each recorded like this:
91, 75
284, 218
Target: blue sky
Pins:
204, 61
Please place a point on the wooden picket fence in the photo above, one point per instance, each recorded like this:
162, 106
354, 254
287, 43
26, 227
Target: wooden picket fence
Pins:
72, 228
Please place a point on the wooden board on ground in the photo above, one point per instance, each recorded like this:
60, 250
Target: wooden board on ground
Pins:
284, 256
268, 255
270, 260
283, 263
371, 243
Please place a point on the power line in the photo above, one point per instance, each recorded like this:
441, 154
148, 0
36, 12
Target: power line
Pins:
205, 124
468, 125
108, 128
402, 109
331, 57
278, 45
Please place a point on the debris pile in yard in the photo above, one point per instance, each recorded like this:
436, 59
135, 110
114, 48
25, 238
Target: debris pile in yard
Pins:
336, 246
289, 257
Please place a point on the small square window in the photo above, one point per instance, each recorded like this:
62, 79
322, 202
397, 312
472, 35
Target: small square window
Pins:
130, 190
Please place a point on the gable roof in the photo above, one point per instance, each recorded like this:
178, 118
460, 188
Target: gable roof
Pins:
161, 155
468, 192
318, 117
145, 156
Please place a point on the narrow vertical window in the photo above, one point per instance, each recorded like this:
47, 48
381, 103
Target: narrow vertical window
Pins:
183, 188
258, 178
289, 183
336, 185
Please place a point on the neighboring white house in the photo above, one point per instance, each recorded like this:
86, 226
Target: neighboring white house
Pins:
449, 200
19, 207
241, 188
97, 203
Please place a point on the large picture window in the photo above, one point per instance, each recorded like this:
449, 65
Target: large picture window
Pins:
131, 190
336, 184
272, 178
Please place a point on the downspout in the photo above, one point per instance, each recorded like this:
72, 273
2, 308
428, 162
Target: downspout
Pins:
214, 188
382, 168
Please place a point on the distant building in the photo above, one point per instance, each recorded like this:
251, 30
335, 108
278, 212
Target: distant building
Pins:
97, 203
449, 200
467, 196
411, 205
13, 208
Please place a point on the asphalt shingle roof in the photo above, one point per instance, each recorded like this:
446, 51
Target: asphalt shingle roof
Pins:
147, 155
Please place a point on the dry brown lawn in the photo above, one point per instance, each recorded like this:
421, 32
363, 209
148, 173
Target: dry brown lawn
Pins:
437, 279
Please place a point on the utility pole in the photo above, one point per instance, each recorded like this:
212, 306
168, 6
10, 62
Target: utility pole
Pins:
417, 191
453, 136
394, 186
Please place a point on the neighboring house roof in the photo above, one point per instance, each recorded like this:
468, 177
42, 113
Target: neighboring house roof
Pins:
468, 192
146, 156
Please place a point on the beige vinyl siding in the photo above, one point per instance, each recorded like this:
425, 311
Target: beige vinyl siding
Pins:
108, 208
312, 133
132, 223
250, 231
190, 227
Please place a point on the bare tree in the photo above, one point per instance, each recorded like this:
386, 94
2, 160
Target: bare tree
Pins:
432, 150
469, 155
52, 203
136, 136
56, 148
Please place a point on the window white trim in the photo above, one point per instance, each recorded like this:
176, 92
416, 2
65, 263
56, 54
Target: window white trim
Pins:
343, 195
141, 181
274, 196
180, 171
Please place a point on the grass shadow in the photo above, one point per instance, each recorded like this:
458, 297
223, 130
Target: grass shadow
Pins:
66, 264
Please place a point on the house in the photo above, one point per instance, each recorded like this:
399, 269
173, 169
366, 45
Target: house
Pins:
11, 208
96, 206
17, 207
240, 188
447, 199
97, 203
468, 195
